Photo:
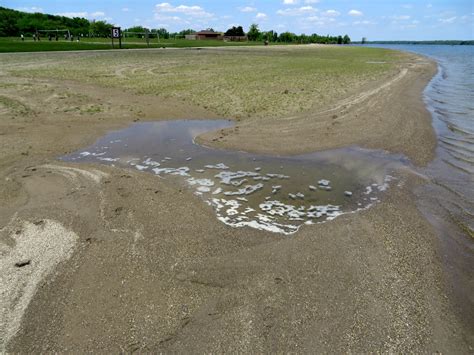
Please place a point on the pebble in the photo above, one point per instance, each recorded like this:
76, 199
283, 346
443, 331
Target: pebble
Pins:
348, 193
312, 188
22, 263
324, 182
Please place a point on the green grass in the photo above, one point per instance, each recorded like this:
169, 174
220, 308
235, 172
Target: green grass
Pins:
14, 106
11, 44
232, 82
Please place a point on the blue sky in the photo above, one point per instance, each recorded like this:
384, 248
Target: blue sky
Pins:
374, 19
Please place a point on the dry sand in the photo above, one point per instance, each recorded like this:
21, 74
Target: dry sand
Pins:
144, 266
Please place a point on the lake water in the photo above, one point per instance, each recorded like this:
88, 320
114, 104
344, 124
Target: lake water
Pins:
272, 193
448, 201
450, 99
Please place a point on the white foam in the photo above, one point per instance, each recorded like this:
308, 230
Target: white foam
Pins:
247, 190
324, 182
183, 171
279, 176
109, 159
217, 166
200, 182
217, 191
203, 189
141, 167
227, 176
150, 162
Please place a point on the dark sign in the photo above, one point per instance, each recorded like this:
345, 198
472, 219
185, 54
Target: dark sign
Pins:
116, 32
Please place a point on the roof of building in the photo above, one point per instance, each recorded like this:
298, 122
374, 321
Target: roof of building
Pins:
208, 33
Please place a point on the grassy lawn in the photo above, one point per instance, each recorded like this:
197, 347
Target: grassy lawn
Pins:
13, 44
232, 82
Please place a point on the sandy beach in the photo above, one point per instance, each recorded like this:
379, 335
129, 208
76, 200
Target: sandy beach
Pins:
119, 260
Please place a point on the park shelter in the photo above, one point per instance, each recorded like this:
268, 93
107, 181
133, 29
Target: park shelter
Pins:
206, 35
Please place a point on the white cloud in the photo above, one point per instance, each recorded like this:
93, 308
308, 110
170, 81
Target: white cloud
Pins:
407, 6
290, 2
429, 6
402, 17
30, 9
171, 16
448, 20
355, 13
125, 9
331, 13
320, 21
365, 22
297, 11
90, 15
311, 1
261, 16
248, 9
404, 27
73, 14
192, 11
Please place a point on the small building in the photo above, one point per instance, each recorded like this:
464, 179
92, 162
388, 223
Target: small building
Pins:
235, 38
205, 35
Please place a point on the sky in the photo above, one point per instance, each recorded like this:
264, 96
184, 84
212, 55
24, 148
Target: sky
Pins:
373, 19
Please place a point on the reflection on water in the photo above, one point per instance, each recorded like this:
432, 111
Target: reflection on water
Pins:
272, 193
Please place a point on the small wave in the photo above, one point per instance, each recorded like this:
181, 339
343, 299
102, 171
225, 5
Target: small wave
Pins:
458, 166
458, 145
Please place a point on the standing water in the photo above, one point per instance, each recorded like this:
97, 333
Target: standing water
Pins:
272, 193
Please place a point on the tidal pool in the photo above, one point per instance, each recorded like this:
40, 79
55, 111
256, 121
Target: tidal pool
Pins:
272, 193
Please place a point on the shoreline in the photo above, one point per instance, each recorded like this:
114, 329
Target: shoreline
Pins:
138, 280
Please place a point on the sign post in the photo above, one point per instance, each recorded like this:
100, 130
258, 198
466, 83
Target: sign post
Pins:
116, 34
147, 38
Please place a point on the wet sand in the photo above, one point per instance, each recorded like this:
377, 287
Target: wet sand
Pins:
152, 269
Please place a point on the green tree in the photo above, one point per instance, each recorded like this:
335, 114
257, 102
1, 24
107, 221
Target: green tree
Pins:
287, 37
275, 37
100, 28
235, 31
254, 33
161, 32
346, 39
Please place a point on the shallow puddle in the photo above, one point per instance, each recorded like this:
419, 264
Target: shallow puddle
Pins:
273, 193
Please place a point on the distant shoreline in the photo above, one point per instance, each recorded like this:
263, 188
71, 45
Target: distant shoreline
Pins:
434, 42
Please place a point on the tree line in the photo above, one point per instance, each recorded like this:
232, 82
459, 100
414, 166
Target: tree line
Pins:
254, 34
14, 23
